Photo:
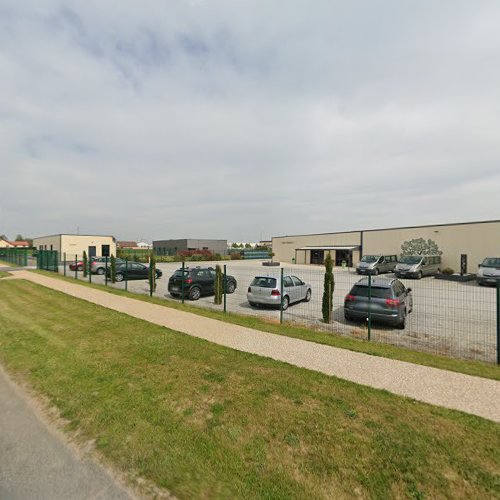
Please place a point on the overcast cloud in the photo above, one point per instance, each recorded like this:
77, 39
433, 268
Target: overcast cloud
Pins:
245, 119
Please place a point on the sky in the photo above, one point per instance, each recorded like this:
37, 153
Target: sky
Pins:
246, 119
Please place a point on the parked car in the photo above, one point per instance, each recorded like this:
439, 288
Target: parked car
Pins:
417, 266
489, 271
76, 266
132, 271
198, 281
98, 264
390, 301
266, 290
376, 264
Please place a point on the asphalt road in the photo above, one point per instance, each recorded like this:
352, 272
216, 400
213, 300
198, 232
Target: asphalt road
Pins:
35, 463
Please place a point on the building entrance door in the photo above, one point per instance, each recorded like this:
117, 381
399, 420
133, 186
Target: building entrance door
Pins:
317, 256
92, 252
343, 255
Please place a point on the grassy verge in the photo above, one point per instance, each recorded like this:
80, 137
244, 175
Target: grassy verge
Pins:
4, 263
205, 421
476, 368
4, 274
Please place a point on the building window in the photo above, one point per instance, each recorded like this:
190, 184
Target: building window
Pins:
104, 250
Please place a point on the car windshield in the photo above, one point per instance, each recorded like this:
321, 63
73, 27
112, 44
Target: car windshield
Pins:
491, 262
410, 259
264, 282
377, 292
370, 258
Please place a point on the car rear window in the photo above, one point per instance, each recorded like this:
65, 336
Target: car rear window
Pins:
377, 292
178, 273
264, 282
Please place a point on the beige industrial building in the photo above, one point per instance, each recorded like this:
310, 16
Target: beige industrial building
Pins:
76, 244
477, 240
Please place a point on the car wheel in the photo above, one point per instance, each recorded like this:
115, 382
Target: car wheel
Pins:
420, 275
157, 275
252, 304
100, 271
194, 293
347, 317
80, 268
231, 287
402, 324
285, 303
174, 295
119, 277
308, 296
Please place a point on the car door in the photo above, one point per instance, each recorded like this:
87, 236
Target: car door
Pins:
137, 272
289, 288
404, 295
300, 288
382, 264
205, 281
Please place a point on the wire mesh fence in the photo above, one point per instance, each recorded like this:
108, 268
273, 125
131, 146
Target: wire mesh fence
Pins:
442, 317
14, 256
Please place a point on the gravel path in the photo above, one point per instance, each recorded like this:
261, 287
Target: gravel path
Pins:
466, 393
36, 463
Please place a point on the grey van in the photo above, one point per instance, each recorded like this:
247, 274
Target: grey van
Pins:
418, 266
376, 264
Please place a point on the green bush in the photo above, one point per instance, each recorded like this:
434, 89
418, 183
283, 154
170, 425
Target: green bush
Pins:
329, 286
448, 270
152, 274
85, 264
113, 269
219, 285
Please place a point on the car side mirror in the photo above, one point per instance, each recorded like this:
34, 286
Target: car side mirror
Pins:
408, 290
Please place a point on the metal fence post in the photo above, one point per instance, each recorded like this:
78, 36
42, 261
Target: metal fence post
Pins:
182, 283
225, 287
64, 263
76, 266
106, 271
126, 273
281, 296
498, 322
369, 306
90, 269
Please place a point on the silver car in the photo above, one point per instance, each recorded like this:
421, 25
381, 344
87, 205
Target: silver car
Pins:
266, 290
417, 266
98, 265
375, 264
489, 271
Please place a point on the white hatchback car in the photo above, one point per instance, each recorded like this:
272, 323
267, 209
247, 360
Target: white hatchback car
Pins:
266, 290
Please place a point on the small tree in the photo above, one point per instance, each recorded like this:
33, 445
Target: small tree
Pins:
219, 285
113, 269
152, 274
85, 264
419, 246
329, 286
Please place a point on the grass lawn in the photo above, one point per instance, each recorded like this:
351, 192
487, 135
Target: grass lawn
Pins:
205, 421
4, 263
4, 274
476, 368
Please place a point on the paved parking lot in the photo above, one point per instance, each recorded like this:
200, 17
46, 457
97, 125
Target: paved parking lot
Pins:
456, 319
